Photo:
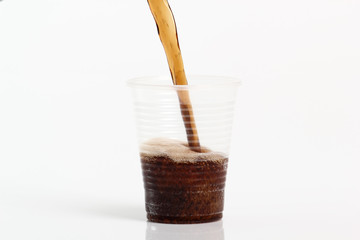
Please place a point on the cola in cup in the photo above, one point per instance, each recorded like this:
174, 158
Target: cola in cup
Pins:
183, 185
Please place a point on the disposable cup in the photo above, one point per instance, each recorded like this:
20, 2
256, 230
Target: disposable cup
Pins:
181, 185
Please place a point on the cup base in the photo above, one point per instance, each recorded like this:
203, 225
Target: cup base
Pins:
184, 220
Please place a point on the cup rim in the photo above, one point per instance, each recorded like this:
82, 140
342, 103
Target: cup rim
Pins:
211, 82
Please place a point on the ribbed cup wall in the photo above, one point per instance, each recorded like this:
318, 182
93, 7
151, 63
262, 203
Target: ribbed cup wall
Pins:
185, 191
158, 112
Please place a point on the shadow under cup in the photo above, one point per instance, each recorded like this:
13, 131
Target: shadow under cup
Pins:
183, 186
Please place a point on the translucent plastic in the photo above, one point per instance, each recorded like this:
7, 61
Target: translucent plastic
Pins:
182, 186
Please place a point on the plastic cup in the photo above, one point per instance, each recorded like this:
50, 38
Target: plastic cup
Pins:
183, 186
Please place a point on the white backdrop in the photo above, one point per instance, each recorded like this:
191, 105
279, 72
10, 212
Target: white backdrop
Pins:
69, 167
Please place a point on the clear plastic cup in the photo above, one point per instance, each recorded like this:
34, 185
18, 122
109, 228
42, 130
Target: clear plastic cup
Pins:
181, 185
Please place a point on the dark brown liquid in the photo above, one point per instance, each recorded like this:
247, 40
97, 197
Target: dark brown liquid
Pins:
184, 191
166, 27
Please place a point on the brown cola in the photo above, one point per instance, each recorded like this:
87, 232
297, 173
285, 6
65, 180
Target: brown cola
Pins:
180, 186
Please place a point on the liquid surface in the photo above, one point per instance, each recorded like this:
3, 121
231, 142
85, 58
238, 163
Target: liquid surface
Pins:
177, 150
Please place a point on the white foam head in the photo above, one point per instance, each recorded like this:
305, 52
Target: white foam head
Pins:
177, 150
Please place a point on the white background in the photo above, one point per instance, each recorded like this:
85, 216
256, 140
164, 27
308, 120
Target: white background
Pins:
69, 165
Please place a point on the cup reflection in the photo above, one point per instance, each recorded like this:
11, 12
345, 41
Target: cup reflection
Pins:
205, 231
